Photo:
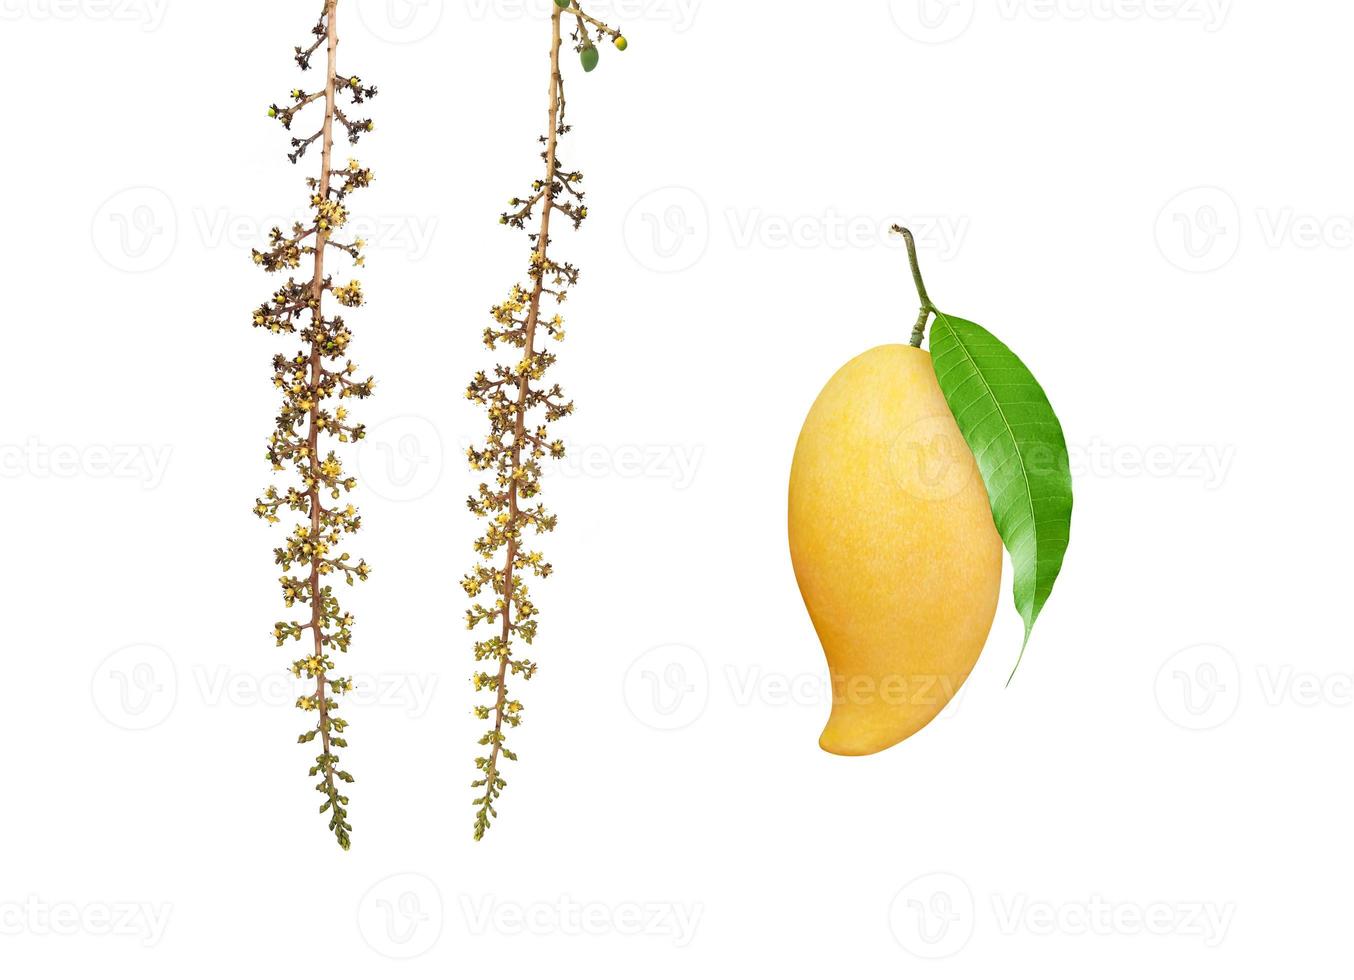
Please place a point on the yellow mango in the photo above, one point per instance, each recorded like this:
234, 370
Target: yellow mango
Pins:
893, 546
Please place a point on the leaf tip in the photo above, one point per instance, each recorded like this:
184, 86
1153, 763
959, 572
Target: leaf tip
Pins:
1029, 628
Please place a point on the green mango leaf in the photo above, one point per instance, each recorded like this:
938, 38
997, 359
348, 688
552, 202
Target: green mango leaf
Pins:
1007, 421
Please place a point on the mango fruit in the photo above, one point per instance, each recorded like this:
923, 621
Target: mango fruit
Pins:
893, 546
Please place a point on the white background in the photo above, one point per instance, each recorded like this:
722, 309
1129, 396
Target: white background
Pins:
1149, 199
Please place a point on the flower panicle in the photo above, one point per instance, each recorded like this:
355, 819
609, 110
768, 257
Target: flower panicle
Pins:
521, 406
315, 385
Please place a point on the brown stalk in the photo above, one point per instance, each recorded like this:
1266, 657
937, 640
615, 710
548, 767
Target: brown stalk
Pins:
316, 382
524, 382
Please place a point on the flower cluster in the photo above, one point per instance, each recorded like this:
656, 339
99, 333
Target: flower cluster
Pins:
313, 384
520, 406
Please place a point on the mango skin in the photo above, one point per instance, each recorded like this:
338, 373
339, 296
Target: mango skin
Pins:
893, 546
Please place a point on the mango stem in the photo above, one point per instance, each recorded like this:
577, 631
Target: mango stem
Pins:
927, 307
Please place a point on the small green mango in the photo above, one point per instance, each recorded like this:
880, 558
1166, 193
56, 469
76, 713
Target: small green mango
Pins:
590, 57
